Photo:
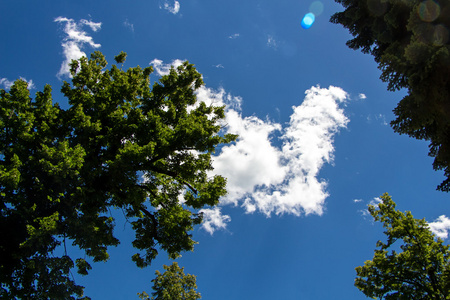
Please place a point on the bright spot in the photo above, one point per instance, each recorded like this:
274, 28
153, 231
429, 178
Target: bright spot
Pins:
308, 20
316, 8
429, 10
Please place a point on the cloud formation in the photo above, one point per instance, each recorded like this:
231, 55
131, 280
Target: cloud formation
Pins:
7, 84
75, 40
440, 227
271, 42
283, 179
271, 168
174, 8
164, 69
128, 25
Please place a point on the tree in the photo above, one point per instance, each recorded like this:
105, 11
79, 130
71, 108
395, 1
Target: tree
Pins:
410, 41
173, 284
421, 270
122, 144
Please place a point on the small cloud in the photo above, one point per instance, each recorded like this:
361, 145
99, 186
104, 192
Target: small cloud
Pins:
357, 200
93, 25
440, 227
174, 8
164, 69
213, 219
374, 202
74, 41
219, 66
128, 25
234, 36
362, 96
380, 118
271, 42
7, 84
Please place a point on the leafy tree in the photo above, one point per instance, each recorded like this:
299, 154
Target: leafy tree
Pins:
421, 270
173, 284
410, 41
122, 144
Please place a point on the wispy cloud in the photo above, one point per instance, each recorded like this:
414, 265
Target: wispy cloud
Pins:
440, 227
128, 25
163, 69
75, 40
7, 83
271, 42
362, 96
365, 212
234, 36
172, 8
380, 118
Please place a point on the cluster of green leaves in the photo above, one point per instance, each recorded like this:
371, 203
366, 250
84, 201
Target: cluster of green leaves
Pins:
410, 40
421, 270
173, 284
121, 144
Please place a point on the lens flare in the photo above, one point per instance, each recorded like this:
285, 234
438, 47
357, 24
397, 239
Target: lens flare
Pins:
316, 8
429, 10
308, 20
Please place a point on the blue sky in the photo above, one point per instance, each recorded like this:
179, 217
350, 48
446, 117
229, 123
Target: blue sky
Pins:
315, 146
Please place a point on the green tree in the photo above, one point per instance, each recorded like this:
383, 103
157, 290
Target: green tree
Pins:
421, 270
122, 144
410, 41
173, 284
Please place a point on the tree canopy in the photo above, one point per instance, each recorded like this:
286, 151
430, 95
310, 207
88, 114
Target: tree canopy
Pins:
122, 144
173, 284
410, 41
421, 270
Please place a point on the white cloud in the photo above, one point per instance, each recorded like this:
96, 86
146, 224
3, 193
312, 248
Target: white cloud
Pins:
174, 8
93, 25
357, 200
271, 42
362, 96
213, 219
440, 227
164, 69
378, 118
74, 41
234, 36
7, 84
128, 25
266, 178
374, 202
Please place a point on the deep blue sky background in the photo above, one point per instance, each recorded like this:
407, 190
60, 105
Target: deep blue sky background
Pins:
257, 51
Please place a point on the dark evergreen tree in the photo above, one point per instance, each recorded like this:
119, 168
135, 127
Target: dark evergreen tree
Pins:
410, 41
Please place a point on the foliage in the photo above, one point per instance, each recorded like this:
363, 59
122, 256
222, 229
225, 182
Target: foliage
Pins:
122, 144
173, 284
420, 271
410, 41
